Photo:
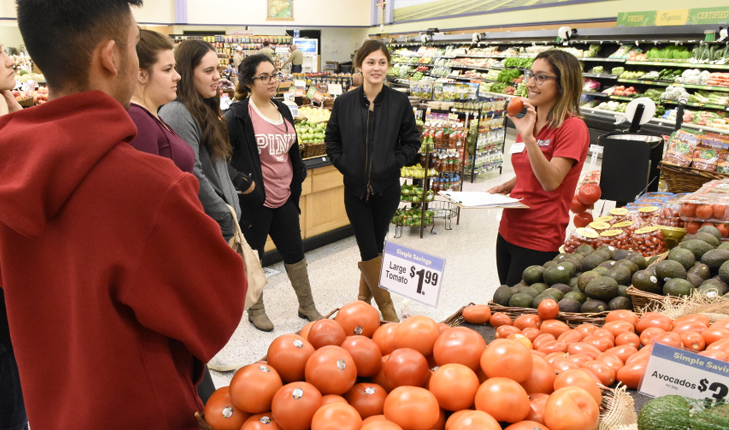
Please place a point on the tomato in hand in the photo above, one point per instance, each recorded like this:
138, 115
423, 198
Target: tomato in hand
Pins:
589, 194
516, 105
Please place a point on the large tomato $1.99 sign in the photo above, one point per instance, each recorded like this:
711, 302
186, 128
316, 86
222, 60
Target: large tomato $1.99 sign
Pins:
412, 274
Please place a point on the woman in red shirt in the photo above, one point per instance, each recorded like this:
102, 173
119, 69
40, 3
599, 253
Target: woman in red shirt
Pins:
547, 157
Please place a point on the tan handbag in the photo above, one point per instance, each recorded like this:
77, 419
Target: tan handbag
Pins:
254, 272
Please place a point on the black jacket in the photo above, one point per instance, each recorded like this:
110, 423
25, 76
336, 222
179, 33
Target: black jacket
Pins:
245, 164
371, 155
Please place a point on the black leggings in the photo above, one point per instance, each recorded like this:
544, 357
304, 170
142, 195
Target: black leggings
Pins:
371, 219
511, 260
283, 225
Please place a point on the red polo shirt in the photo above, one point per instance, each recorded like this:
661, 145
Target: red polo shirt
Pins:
542, 226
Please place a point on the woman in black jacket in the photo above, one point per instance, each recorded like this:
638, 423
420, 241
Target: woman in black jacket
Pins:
267, 170
370, 136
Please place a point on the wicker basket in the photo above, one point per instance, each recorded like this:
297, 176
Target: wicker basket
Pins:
313, 150
28, 102
644, 301
686, 179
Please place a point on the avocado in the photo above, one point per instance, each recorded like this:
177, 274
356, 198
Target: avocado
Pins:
573, 282
711, 230
724, 245
653, 260
576, 295
665, 413
585, 278
629, 264
539, 286
562, 287
703, 271
602, 271
584, 250
706, 237
623, 291
695, 279
645, 281
698, 247
724, 272
715, 258
683, 256
714, 418
592, 306
620, 302
554, 293
620, 254
718, 283
609, 250
638, 259
533, 274
677, 287
520, 284
711, 290
557, 274
570, 266
549, 264
537, 300
521, 300
502, 295
569, 305
593, 260
608, 264
528, 290
669, 269
621, 274
603, 288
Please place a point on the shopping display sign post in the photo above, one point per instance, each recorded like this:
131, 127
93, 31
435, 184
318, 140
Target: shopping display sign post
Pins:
412, 274
677, 371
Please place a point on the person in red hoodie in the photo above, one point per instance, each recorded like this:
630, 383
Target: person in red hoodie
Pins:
117, 285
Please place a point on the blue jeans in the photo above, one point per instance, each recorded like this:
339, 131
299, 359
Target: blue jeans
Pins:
11, 397
296, 68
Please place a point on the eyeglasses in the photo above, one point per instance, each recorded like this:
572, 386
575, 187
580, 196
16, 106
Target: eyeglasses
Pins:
539, 78
267, 79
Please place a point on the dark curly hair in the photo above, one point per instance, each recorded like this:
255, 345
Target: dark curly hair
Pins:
246, 72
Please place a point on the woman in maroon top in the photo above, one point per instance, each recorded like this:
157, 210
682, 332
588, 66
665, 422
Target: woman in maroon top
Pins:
156, 86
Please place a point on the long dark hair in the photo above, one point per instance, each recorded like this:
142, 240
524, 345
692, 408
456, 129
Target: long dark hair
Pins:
569, 82
205, 111
246, 72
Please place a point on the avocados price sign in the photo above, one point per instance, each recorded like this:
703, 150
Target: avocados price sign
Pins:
678, 371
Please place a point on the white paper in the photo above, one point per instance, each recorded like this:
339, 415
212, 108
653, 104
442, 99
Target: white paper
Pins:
476, 199
517, 148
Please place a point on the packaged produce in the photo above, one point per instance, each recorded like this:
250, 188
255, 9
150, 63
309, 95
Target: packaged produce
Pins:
615, 237
619, 213
670, 212
627, 226
649, 214
681, 148
581, 236
706, 155
648, 241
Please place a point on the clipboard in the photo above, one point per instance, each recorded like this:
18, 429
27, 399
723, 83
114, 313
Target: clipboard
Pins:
482, 200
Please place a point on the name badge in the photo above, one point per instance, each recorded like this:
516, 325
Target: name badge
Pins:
517, 148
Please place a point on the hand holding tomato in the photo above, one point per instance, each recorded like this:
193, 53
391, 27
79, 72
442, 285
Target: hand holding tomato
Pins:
525, 126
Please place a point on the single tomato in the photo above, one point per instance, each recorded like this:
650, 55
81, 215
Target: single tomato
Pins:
669, 338
499, 318
570, 337
693, 341
472, 420
631, 374
504, 399
367, 398
537, 401
521, 339
627, 338
604, 373
336, 416
688, 209
618, 327
586, 329
548, 309
541, 380
579, 378
576, 207
712, 335
649, 333
417, 332
331, 370
332, 398
693, 318
571, 408
652, 319
589, 194
326, 332
384, 338
601, 342
560, 365
554, 327
704, 211
723, 230
582, 219
358, 318
580, 359
406, 366
623, 352
515, 106
527, 425
693, 227
622, 315
295, 404
288, 354
253, 387
542, 339
454, 386
584, 348
553, 346
504, 331
531, 333
412, 408
261, 422
718, 211
221, 413
367, 356
478, 314
527, 321
507, 358
459, 345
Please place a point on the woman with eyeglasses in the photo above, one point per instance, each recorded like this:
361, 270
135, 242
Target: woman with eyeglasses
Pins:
267, 169
547, 156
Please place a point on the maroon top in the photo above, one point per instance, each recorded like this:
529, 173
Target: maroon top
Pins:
156, 137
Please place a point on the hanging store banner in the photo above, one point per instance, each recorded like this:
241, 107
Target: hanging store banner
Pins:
703, 16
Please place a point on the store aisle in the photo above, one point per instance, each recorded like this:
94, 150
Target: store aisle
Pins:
469, 276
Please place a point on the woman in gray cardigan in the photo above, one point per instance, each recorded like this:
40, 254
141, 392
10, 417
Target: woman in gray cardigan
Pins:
195, 116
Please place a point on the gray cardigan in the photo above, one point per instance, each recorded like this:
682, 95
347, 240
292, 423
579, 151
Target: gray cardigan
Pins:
214, 178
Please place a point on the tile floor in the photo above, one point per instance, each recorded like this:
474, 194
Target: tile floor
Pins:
469, 275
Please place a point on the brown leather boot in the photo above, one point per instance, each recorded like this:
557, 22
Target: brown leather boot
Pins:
299, 277
257, 316
371, 272
364, 291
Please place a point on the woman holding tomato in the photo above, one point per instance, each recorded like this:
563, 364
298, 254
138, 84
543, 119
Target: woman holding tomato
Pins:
547, 157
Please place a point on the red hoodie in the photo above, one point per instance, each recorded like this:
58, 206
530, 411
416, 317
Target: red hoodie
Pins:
117, 284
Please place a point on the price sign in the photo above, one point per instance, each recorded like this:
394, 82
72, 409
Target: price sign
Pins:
596, 148
318, 96
299, 83
677, 371
335, 89
412, 274
311, 92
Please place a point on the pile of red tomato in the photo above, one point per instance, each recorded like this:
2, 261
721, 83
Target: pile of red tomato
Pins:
585, 197
352, 373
